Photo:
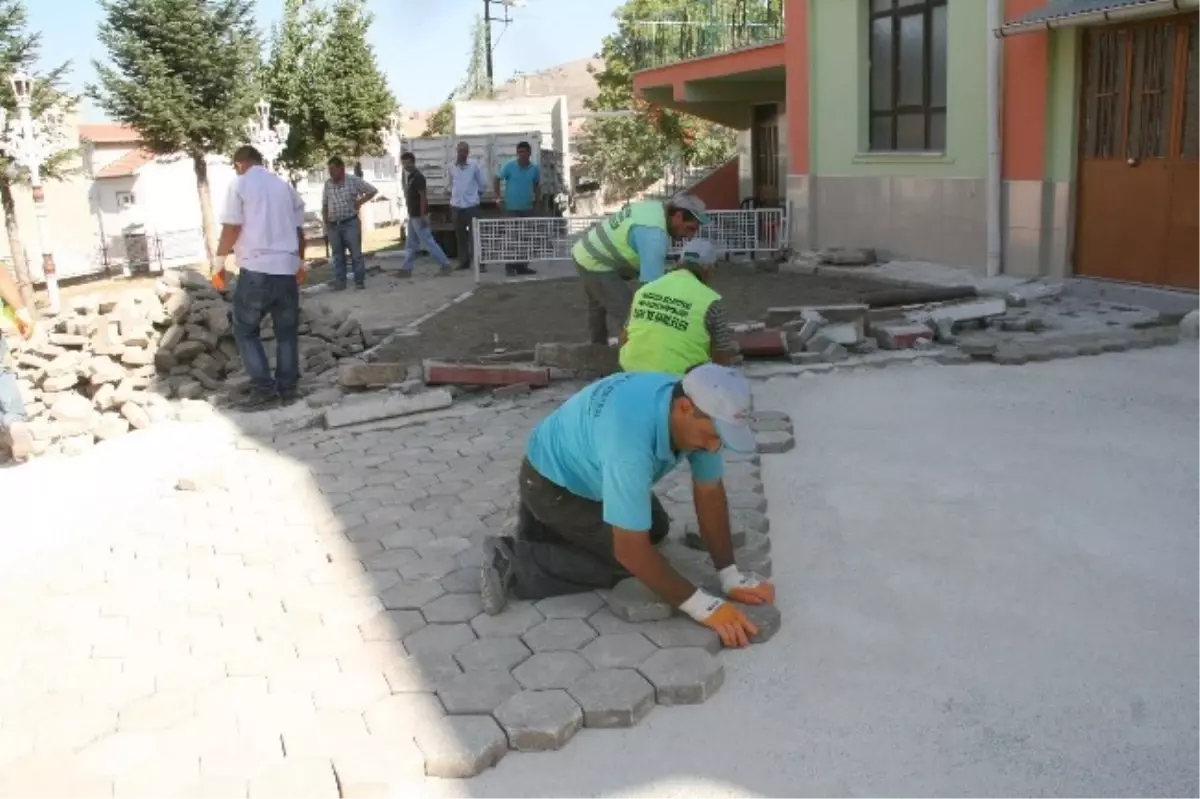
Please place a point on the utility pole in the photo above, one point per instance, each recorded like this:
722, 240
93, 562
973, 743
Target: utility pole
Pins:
506, 20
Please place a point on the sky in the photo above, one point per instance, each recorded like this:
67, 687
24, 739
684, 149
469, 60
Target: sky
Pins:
421, 45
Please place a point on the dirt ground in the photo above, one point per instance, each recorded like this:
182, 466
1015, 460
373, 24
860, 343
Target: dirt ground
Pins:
516, 316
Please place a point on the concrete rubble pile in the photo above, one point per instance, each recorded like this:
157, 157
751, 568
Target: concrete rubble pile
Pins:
108, 364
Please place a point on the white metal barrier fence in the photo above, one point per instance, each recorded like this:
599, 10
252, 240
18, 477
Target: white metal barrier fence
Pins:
511, 240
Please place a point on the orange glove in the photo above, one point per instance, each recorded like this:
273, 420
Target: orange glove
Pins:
219, 280
24, 322
301, 276
731, 625
746, 588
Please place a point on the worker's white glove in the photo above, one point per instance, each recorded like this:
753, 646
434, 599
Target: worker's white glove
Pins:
724, 618
746, 588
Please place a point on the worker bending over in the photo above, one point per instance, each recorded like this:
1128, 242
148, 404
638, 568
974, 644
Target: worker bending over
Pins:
631, 244
588, 517
678, 321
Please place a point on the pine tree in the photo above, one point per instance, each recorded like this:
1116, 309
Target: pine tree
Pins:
290, 83
476, 84
353, 94
19, 50
183, 74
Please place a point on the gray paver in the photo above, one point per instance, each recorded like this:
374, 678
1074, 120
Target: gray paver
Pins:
516, 619
539, 721
461, 746
570, 606
685, 676
492, 653
747, 500
406, 538
613, 698
631, 600
623, 650
682, 631
411, 594
766, 618
556, 634
462, 581
444, 547
391, 625
433, 568
439, 639
400, 714
547, 670
452, 608
753, 563
756, 542
477, 691
420, 673
389, 559
605, 622
749, 521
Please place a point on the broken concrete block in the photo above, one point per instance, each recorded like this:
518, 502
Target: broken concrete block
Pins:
384, 406
633, 601
894, 336
613, 698
540, 721
1189, 325
684, 676
803, 358
761, 343
465, 374
460, 746
847, 256
1011, 355
834, 353
358, 375
981, 308
591, 359
844, 333
821, 314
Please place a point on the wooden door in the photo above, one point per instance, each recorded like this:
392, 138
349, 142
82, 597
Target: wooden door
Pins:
764, 151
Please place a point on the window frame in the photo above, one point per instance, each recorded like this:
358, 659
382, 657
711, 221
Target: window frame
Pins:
896, 13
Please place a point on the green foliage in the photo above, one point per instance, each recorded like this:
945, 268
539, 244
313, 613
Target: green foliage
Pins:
441, 122
291, 80
352, 93
476, 84
181, 72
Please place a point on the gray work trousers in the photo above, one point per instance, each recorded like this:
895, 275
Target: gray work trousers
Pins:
563, 544
608, 294
464, 220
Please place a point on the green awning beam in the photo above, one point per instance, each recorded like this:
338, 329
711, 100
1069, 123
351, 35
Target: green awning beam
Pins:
1068, 13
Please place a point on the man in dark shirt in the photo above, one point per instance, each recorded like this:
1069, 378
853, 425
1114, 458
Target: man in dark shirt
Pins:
419, 235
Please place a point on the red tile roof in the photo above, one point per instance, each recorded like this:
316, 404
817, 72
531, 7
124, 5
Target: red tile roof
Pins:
126, 165
109, 134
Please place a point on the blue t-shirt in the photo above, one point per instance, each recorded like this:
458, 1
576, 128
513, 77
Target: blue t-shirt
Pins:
611, 443
518, 185
651, 245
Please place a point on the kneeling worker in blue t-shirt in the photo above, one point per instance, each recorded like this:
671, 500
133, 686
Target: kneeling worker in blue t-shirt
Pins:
588, 514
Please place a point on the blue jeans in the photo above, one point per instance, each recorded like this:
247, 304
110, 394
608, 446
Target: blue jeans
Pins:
346, 235
256, 295
12, 407
419, 235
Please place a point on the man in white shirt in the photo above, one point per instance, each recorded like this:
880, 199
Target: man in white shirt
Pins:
263, 224
467, 185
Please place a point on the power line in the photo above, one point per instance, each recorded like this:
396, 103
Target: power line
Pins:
488, 19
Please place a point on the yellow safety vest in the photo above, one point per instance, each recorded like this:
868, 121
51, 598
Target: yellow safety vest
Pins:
666, 330
607, 248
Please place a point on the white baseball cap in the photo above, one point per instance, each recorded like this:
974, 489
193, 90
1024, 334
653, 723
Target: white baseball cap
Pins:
692, 204
699, 251
724, 394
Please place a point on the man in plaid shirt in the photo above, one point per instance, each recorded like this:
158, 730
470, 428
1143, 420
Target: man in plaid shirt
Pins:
343, 196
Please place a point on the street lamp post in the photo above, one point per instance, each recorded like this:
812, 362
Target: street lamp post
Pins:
267, 140
391, 142
30, 143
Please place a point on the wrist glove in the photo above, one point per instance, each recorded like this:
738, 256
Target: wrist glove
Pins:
216, 273
746, 588
24, 322
729, 623
301, 276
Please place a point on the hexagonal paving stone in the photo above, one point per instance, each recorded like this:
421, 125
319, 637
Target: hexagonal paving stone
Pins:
753, 562
773, 442
747, 521
756, 542
685, 676
452, 608
633, 601
623, 650
444, 547
748, 500
559, 634
605, 622
461, 746
539, 721
613, 698
477, 691
400, 714
411, 594
389, 559
766, 618
437, 639
406, 538
570, 606
547, 670
420, 673
693, 540
434, 568
391, 625
515, 619
462, 581
680, 631
492, 653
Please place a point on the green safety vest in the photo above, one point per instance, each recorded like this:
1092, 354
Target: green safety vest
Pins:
666, 330
607, 248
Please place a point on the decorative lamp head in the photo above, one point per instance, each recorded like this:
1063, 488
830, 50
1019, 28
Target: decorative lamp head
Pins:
22, 86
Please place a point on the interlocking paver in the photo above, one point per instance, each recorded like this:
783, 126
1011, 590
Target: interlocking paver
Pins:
433, 568
411, 594
570, 606
516, 619
556, 634
439, 639
404, 538
476, 692
400, 714
539, 721
461, 746
680, 631
631, 600
492, 653
444, 547
605, 622
389, 559
296, 777
547, 670
462, 581
452, 608
391, 625
613, 698
623, 650
766, 618
684, 676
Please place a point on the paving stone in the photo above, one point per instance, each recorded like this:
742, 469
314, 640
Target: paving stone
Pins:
477, 691
439, 639
623, 650
539, 721
753, 563
492, 653
755, 542
420, 673
296, 777
771, 443
632, 601
570, 606
411, 594
406, 538
605, 622
461, 746
516, 619
766, 618
681, 631
389, 559
772, 425
1009, 355
684, 676
462, 581
391, 625
748, 500
444, 547
1062, 351
692, 539
434, 568
452, 608
547, 670
748, 521
613, 698
559, 634
400, 714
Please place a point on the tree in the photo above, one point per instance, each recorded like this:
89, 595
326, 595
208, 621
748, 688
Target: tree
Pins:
477, 84
353, 94
290, 83
19, 50
629, 152
183, 73
441, 121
